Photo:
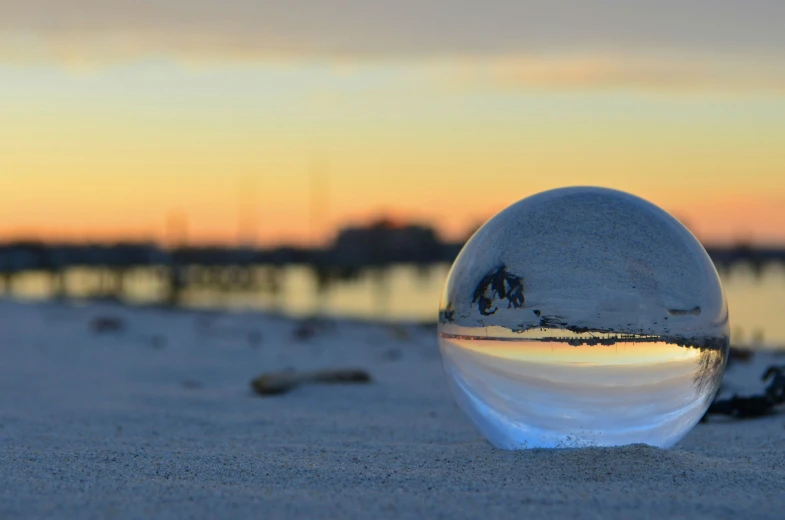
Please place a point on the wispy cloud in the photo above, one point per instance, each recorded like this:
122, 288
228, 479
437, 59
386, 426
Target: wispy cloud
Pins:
313, 28
630, 71
595, 43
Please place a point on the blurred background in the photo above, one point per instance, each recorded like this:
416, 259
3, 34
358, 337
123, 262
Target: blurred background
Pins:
311, 156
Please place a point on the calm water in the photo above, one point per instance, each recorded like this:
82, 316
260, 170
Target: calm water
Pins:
757, 302
545, 393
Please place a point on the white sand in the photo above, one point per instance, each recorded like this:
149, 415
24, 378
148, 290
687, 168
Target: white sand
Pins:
158, 421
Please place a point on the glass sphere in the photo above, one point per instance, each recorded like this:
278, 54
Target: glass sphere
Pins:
583, 317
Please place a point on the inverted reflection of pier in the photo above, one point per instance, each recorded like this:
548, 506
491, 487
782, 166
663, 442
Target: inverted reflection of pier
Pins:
582, 340
605, 339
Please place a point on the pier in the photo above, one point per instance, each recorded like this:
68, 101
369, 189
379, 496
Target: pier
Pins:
355, 252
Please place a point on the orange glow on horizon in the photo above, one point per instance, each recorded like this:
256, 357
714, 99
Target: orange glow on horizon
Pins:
111, 153
624, 353
215, 216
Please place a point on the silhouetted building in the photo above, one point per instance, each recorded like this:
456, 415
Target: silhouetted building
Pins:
384, 242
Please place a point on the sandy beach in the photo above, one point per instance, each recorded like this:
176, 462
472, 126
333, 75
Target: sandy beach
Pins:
114, 412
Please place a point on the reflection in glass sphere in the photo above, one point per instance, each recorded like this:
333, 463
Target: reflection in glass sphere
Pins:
583, 317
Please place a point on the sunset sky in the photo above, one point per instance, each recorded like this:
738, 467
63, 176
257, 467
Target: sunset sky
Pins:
118, 116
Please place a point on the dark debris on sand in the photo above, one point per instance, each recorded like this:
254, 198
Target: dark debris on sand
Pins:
747, 407
107, 324
276, 383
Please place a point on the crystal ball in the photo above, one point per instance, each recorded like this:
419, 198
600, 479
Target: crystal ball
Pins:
583, 317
